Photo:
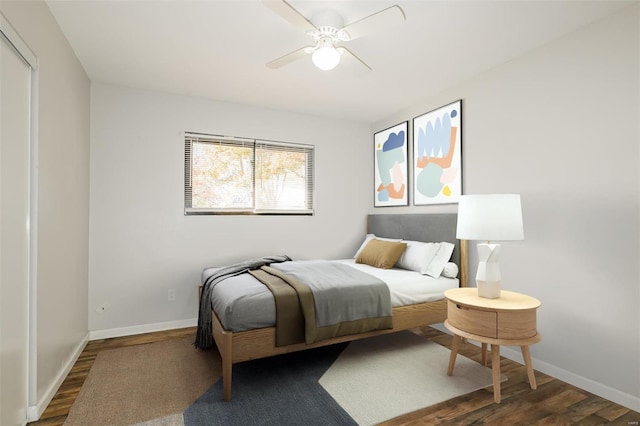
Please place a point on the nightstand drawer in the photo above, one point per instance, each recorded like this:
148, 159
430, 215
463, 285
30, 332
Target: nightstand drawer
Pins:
517, 324
475, 321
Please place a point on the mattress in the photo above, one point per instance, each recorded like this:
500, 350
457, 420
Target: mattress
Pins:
244, 303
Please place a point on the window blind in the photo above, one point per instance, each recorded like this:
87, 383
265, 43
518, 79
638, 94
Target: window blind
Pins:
246, 176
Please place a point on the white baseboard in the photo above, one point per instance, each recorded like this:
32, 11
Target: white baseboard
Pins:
604, 391
140, 329
35, 411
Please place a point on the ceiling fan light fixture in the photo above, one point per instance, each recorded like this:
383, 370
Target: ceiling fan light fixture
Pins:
327, 30
326, 56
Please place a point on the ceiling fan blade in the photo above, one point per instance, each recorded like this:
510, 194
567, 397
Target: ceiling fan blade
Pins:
352, 58
289, 14
379, 21
290, 57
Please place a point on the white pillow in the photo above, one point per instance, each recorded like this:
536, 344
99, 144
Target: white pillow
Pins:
417, 256
369, 237
440, 259
450, 270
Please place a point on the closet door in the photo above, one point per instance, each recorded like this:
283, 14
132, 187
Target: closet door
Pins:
15, 87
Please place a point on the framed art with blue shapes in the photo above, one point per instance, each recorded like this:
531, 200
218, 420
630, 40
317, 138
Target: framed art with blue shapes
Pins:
390, 166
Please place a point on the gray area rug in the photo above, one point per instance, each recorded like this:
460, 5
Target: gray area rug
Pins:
366, 382
280, 390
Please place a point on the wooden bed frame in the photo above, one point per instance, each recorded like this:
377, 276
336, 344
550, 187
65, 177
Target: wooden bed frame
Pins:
235, 347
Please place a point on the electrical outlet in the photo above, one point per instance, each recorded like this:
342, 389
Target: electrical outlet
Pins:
102, 308
171, 295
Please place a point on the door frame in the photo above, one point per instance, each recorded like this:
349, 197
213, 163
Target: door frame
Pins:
11, 36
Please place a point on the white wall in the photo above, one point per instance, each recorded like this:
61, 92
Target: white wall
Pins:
559, 125
141, 242
63, 196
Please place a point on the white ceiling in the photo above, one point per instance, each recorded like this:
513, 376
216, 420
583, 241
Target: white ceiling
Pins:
218, 48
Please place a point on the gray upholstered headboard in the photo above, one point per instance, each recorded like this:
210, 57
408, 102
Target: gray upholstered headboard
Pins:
422, 227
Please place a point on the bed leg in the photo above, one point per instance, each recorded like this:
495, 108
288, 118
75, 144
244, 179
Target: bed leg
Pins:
227, 368
226, 379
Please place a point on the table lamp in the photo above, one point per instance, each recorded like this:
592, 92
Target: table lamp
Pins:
489, 217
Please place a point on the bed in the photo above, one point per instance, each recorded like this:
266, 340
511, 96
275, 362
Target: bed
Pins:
236, 343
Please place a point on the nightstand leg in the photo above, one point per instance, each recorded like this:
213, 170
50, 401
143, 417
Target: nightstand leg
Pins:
495, 367
484, 354
454, 353
526, 355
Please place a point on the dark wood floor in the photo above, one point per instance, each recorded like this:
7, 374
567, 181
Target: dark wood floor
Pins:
552, 403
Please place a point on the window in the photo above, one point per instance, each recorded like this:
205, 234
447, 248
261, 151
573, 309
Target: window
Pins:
226, 175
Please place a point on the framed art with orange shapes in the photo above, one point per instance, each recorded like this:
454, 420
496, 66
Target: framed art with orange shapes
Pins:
437, 156
390, 166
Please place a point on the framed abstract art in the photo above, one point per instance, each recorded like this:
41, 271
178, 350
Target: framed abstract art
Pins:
390, 166
437, 156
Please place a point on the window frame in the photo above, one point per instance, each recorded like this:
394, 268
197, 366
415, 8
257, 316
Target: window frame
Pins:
191, 137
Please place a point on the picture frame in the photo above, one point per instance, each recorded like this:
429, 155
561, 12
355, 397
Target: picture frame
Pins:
437, 156
391, 179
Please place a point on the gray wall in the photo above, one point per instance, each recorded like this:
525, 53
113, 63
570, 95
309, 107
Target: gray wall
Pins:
142, 245
63, 201
559, 126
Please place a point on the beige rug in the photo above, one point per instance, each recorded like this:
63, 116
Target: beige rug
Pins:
141, 383
379, 378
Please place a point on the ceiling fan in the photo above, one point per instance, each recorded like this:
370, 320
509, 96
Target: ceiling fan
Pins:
327, 30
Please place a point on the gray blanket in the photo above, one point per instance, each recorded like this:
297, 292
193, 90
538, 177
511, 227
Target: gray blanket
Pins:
335, 299
340, 292
204, 336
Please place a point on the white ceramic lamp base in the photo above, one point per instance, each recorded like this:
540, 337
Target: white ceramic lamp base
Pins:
488, 277
488, 289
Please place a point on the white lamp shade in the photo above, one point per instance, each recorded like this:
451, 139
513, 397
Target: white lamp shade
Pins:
490, 217
326, 56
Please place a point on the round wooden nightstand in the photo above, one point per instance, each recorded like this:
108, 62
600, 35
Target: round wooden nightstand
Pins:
508, 320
